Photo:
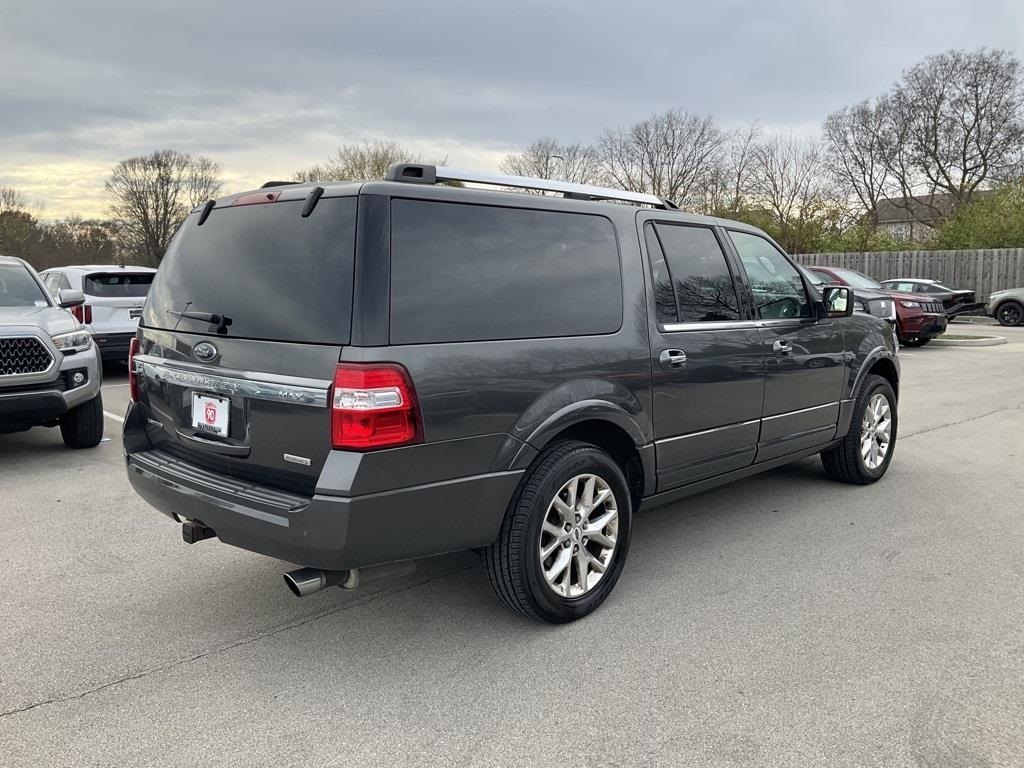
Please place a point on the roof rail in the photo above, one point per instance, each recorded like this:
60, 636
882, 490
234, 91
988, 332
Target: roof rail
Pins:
278, 183
416, 173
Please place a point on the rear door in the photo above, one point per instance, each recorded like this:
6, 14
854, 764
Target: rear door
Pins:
707, 358
241, 336
806, 356
116, 299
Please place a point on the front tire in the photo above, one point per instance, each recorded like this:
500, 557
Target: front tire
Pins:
565, 536
865, 453
82, 426
1010, 313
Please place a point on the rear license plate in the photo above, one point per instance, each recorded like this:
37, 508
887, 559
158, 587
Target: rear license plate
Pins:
210, 414
134, 314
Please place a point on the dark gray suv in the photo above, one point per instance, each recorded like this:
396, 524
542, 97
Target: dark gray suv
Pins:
350, 375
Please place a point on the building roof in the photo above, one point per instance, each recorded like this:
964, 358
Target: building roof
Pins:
925, 209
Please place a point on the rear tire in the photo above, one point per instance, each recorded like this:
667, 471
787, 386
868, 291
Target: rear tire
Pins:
82, 426
1010, 313
539, 519
847, 461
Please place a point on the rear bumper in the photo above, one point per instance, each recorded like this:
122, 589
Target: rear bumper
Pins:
330, 532
113, 346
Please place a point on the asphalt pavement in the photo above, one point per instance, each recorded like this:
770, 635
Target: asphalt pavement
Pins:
782, 621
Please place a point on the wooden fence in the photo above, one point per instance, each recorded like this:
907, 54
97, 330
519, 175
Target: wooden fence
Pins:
980, 271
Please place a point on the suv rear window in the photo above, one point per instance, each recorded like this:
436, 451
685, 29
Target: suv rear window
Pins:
477, 272
117, 284
273, 273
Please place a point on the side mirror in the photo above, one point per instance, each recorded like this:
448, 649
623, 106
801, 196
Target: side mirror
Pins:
838, 300
68, 299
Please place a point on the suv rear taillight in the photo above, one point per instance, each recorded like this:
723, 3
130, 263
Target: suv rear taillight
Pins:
83, 313
133, 377
373, 405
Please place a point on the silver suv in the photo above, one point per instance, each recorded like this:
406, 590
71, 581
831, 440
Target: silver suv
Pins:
114, 295
50, 373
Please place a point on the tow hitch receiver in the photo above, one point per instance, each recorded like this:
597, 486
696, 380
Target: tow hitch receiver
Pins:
191, 532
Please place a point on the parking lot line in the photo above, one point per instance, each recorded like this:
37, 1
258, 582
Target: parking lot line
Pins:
114, 416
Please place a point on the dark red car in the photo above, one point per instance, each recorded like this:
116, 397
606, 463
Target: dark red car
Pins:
919, 318
955, 302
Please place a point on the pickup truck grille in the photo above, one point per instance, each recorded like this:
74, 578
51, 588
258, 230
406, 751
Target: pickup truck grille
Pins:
21, 355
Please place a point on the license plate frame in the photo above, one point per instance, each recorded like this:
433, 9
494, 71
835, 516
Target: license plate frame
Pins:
211, 414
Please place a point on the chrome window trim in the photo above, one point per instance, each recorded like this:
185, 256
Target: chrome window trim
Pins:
708, 431
256, 386
731, 325
801, 410
710, 325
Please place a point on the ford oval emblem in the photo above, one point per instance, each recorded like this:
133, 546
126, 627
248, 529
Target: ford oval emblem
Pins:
204, 351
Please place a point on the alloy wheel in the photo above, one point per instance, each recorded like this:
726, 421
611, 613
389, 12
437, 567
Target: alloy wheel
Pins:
876, 431
1009, 315
578, 536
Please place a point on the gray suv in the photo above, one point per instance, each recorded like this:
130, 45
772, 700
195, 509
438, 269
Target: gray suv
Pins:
50, 373
349, 375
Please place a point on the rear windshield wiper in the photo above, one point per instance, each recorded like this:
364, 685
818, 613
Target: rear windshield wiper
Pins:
221, 321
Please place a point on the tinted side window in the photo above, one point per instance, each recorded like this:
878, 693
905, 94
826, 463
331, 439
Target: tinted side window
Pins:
477, 272
778, 290
665, 307
704, 288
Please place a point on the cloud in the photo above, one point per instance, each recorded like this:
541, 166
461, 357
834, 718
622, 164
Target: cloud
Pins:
265, 88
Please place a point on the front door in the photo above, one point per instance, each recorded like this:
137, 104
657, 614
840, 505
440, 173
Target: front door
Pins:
707, 357
806, 357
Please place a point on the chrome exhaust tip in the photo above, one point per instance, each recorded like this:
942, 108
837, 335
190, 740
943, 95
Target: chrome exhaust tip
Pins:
306, 581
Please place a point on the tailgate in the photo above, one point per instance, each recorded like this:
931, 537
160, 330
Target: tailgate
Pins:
115, 315
241, 336
116, 298
247, 415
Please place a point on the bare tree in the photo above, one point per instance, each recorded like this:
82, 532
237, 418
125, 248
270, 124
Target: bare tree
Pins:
152, 195
955, 124
358, 162
671, 155
727, 190
547, 159
788, 184
856, 155
12, 200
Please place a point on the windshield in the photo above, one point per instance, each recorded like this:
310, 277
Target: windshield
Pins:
260, 272
19, 289
856, 279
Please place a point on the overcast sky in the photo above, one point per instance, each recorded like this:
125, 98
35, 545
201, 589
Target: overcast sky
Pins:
265, 88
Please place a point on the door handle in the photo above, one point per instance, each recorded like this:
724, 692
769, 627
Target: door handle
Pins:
782, 347
672, 358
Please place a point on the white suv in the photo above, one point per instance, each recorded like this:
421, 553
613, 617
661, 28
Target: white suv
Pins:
114, 296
